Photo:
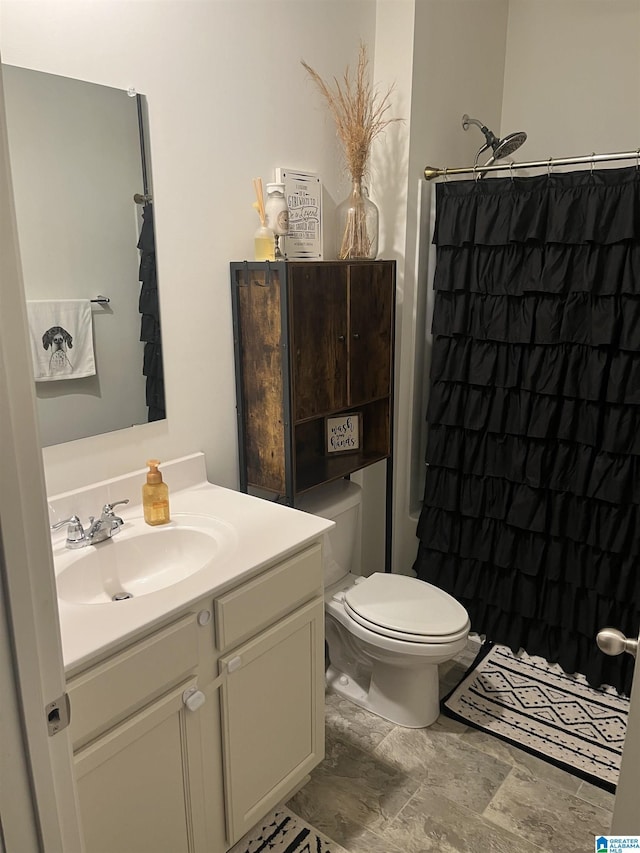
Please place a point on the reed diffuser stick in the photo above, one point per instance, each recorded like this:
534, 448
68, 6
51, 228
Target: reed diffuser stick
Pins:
257, 186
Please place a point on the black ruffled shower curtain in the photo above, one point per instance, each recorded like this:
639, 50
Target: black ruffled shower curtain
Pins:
532, 500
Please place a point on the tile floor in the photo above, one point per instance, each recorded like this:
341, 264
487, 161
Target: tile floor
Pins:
448, 788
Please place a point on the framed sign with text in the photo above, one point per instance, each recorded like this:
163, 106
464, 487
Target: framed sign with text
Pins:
343, 433
303, 192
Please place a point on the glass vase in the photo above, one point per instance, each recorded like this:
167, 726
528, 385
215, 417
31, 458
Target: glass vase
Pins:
357, 223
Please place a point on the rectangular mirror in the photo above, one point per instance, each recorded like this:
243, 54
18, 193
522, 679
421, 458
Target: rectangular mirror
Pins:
83, 196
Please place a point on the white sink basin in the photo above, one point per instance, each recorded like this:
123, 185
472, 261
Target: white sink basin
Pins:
141, 559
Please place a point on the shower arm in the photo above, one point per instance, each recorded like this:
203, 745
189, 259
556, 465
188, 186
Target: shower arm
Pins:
480, 150
492, 140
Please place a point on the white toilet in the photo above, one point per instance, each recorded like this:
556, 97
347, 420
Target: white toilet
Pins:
387, 633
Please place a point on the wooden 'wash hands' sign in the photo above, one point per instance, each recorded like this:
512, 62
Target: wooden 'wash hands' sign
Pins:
343, 433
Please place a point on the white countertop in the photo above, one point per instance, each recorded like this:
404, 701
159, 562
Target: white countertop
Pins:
264, 533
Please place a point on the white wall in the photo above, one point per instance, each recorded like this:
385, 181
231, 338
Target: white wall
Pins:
228, 101
572, 77
75, 165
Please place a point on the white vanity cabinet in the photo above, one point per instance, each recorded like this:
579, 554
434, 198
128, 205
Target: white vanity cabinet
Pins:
187, 737
144, 782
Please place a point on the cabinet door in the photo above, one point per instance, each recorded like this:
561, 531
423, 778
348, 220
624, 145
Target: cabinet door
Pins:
140, 785
319, 339
371, 298
272, 715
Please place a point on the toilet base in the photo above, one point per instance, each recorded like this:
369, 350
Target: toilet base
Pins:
406, 697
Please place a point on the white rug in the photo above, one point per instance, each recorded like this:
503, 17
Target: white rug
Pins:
284, 832
537, 707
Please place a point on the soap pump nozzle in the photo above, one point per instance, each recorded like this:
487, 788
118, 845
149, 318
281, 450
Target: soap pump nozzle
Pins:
153, 475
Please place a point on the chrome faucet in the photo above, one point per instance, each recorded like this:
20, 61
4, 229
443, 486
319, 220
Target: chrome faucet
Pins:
99, 529
106, 526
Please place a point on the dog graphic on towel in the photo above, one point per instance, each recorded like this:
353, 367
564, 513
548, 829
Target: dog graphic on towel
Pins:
60, 341
61, 334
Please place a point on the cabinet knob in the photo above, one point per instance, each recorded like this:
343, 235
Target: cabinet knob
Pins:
193, 698
234, 663
341, 338
356, 336
204, 617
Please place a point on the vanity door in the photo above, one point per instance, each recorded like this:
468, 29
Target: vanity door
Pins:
140, 784
272, 715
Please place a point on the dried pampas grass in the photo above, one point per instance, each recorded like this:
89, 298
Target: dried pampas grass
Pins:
357, 109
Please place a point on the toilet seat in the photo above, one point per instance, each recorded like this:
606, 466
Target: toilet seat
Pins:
401, 607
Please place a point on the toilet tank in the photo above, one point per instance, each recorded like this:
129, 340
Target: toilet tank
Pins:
340, 502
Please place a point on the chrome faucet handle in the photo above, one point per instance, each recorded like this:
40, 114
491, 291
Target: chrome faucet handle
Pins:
73, 520
76, 537
107, 509
108, 515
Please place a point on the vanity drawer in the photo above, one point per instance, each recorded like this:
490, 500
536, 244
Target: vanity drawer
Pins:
244, 612
110, 691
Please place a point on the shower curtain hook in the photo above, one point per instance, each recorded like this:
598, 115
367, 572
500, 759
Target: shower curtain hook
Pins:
549, 164
638, 160
593, 162
446, 177
511, 171
475, 172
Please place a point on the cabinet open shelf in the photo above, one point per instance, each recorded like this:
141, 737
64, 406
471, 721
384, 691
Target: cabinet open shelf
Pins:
314, 466
324, 471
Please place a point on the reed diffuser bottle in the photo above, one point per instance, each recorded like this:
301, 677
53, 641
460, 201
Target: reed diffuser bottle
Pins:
277, 212
263, 239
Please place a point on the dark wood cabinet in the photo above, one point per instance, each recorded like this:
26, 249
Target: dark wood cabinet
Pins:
312, 340
341, 333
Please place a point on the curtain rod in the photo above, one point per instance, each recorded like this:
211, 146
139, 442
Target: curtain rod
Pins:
431, 172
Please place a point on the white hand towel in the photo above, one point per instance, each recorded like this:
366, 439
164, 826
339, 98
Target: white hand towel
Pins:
61, 336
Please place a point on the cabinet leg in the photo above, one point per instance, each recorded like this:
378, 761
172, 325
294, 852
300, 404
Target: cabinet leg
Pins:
388, 535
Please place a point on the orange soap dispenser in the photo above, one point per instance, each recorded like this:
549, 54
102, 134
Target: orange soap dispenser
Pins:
155, 496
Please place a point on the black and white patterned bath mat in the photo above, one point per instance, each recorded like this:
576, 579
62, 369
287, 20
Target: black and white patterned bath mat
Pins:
284, 832
537, 707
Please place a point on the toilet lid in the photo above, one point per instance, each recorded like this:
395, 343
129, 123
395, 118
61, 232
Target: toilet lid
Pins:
407, 609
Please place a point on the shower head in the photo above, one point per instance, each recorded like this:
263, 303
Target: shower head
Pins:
501, 147
509, 144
